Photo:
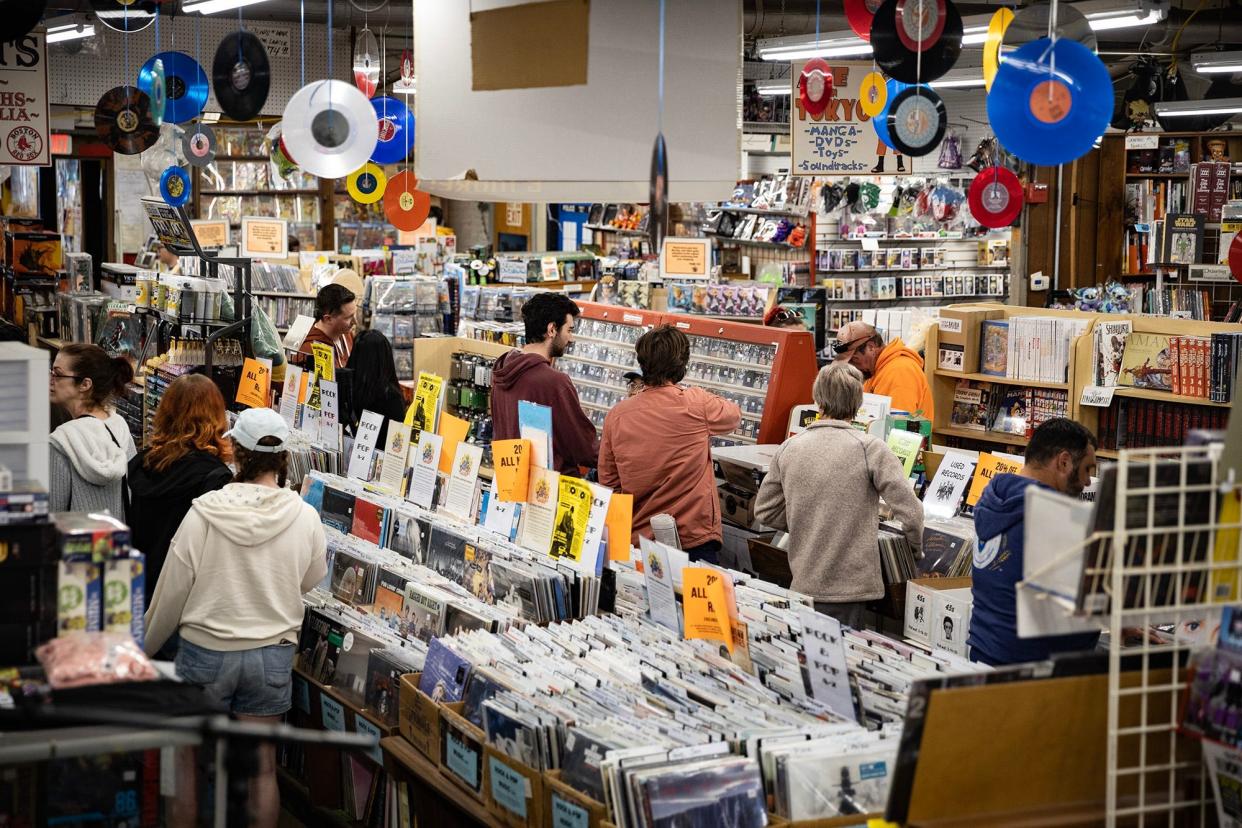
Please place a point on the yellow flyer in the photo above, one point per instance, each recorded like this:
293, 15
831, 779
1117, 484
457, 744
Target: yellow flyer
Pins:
989, 466
452, 431
706, 595
573, 508
511, 459
254, 389
312, 399
423, 412
325, 361
620, 523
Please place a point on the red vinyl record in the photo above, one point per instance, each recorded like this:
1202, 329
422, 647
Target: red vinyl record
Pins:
815, 86
920, 23
859, 13
995, 197
1235, 257
405, 205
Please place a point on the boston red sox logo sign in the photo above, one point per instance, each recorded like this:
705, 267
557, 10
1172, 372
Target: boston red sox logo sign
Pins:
24, 143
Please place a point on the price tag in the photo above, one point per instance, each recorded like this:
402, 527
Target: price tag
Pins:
566, 814
508, 787
462, 760
363, 725
333, 713
950, 325
1097, 396
254, 387
1142, 142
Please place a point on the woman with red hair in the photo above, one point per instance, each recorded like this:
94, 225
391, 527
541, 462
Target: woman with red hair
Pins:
184, 458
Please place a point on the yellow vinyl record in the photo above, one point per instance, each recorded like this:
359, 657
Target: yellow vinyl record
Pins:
873, 93
992, 46
366, 184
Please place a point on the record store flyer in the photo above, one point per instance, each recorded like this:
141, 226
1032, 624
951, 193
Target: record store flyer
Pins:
24, 125
841, 140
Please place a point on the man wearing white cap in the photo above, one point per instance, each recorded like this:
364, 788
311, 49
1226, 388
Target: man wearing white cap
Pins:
232, 587
893, 370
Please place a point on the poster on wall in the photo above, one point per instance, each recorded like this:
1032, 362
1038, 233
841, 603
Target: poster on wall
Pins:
840, 140
264, 238
24, 127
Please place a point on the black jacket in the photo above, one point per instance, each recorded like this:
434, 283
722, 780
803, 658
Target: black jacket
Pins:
160, 500
392, 405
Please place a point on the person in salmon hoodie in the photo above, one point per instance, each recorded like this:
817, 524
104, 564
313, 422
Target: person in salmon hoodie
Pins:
893, 370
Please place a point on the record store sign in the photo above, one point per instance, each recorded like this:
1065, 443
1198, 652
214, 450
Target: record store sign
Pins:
24, 128
840, 140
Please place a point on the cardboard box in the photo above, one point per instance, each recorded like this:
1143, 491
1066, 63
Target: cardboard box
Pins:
958, 337
81, 596
419, 718
567, 807
514, 793
461, 751
920, 609
124, 593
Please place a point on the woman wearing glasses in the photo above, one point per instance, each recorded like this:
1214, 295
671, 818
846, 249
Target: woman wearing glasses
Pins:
89, 453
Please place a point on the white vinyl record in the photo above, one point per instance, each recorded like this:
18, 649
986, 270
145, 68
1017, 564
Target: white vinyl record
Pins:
330, 128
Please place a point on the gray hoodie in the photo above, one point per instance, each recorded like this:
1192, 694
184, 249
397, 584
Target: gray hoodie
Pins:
237, 569
87, 465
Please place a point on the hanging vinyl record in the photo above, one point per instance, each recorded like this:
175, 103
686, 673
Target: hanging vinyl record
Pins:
366, 184
241, 75
154, 87
899, 61
366, 63
406, 206
123, 121
185, 85
405, 86
919, 23
1046, 115
396, 130
1031, 23
657, 195
18, 17
859, 13
992, 45
124, 15
199, 145
880, 121
917, 121
330, 128
872, 94
282, 162
815, 86
175, 186
995, 197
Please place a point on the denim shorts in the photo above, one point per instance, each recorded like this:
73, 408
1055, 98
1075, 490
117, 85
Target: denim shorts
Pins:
256, 682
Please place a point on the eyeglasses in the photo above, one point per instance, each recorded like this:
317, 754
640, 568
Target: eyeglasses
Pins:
57, 376
839, 347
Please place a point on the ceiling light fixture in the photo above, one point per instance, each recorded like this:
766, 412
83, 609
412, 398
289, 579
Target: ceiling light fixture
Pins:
59, 34
1209, 63
213, 6
806, 47
959, 79
774, 87
1211, 106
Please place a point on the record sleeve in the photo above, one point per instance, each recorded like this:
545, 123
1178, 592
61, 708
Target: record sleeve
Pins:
444, 673
446, 553
423, 611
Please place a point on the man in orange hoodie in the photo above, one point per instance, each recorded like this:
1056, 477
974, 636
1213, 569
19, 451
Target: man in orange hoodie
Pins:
892, 370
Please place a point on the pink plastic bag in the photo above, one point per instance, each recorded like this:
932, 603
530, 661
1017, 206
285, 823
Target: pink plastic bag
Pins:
80, 659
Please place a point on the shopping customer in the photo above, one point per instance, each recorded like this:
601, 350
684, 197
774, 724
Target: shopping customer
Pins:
823, 487
528, 374
1061, 457
335, 306
232, 587
657, 445
374, 382
89, 453
185, 457
892, 370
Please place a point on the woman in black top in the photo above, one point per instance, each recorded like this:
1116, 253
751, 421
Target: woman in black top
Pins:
375, 386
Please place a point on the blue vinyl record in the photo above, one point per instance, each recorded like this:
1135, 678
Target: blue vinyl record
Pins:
396, 131
175, 186
185, 85
1049, 102
880, 121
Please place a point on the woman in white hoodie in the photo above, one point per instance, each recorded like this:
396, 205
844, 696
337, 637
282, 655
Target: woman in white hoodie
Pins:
90, 453
232, 586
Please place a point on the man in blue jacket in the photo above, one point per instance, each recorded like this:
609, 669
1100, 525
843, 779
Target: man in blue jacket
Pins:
1060, 456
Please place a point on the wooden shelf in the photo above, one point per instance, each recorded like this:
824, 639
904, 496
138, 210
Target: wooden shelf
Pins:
620, 231
765, 211
1002, 380
400, 755
984, 436
258, 192
757, 243
1165, 396
1158, 175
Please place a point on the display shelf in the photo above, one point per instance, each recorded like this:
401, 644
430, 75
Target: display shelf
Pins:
983, 436
1002, 380
301, 191
401, 758
757, 243
1158, 175
621, 231
1165, 396
767, 211
285, 294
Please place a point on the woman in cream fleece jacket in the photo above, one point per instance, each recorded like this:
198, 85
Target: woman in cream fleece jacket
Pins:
823, 487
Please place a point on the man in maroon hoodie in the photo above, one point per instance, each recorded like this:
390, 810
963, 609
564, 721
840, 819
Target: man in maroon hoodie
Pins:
527, 374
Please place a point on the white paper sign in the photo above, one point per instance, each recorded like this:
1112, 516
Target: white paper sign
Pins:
463, 479
392, 474
425, 464
501, 515
824, 647
944, 493
1142, 142
540, 511
601, 496
289, 396
1098, 396
24, 117
950, 325
658, 573
329, 419
364, 445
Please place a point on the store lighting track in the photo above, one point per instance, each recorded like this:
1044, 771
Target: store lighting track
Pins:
1187, 109
959, 79
59, 34
1209, 63
774, 87
213, 6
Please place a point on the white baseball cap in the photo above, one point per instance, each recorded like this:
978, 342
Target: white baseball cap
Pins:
254, 424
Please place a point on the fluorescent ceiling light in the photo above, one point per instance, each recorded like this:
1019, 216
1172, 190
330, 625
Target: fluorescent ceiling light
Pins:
1103, 23
59, 34
211, 117
974, 35
1207, 63
213, 6
1212, 106
774, 87
806, 47
959, 79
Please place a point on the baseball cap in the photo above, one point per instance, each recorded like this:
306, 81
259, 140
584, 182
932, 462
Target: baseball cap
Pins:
254, 424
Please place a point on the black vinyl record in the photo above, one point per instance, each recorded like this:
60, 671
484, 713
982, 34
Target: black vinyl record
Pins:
123, 120
916, 121
121, 16
240, 75
906, 65
18, 17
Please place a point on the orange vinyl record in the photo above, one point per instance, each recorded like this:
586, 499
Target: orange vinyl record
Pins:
406, 206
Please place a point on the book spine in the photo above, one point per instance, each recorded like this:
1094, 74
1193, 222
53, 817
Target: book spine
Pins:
1175, 360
